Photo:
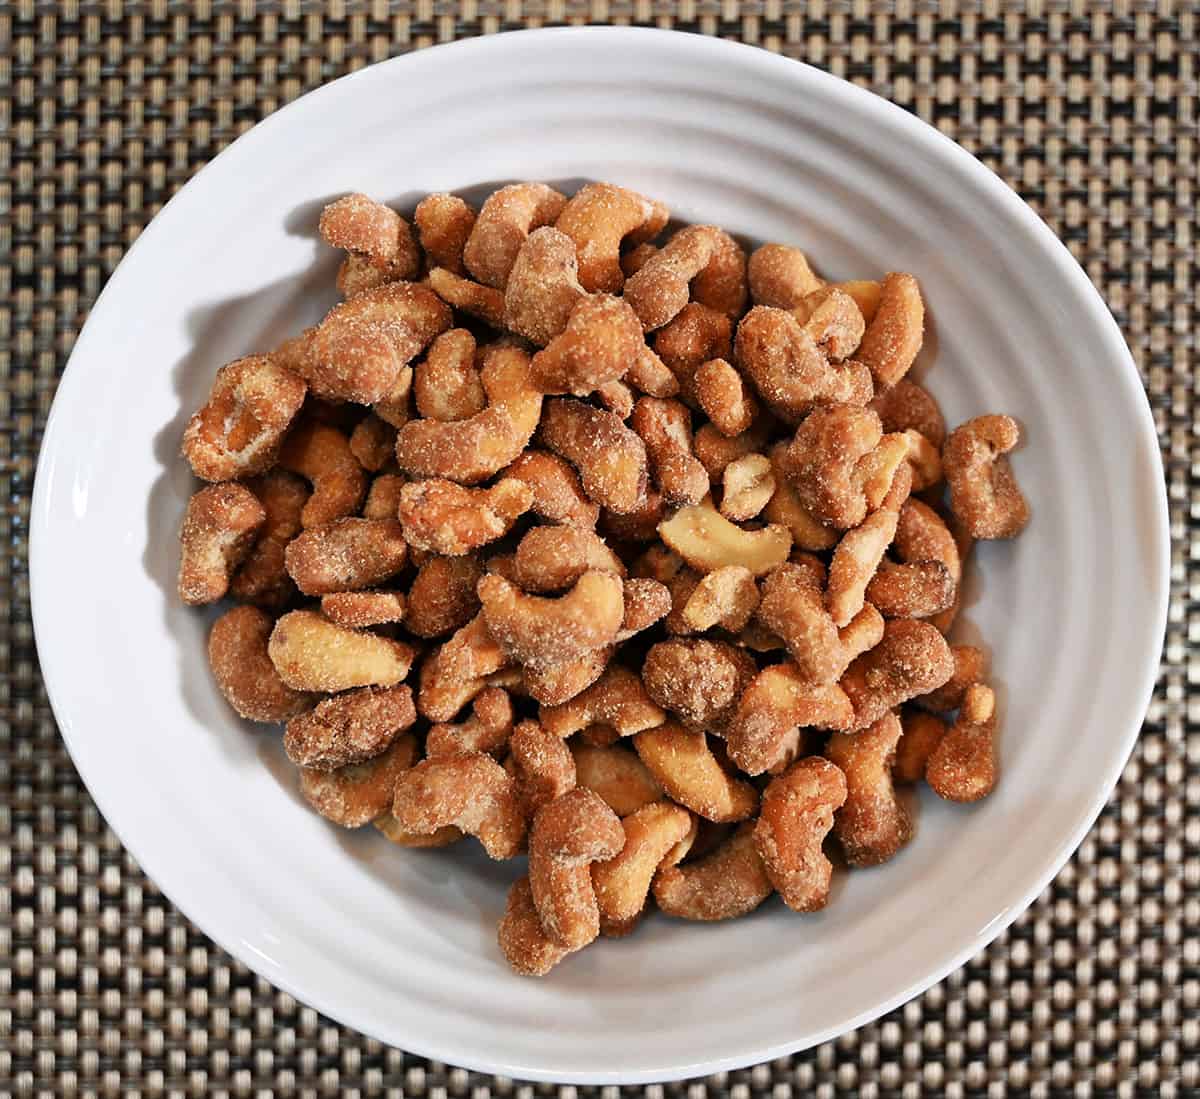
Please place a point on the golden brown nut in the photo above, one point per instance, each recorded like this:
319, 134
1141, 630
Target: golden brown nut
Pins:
635, 259
701, 260
707, 541
696, 335
542, 765
610, 459
472, 792
970, 667
777, 701
895, 333
725, 597
523, 941
786, 367
310, 653
747, 484
371, 231
617, 775
716, 451
797, 814
684, 765
443, 837
681, 588
537, 630
238, 430
508, 216
834, 320
444, 222
922, 733
355, 795
963, 766
459, 670
554, 684
698, 680
472, 450
780, 276
358, 273
600, 340
908, 406
471, 653
597, 220
617, 398
219, 528
984, 494
442, 597
359, 609
396, 408
244, 674
262, 577
925, 460
550, 559
446, 383
321, 455
912, 659
646, 602
543, 287
444, 517
638, 525
482, 302
622, 883
487, 729
359, 350
665, 426
918, 589
650, 375
349, 728
922, 535
793, 608
569, 834
617, 698
724, 396
558, 496
728, 882
346, 555
373, 442
383, 497
872, 825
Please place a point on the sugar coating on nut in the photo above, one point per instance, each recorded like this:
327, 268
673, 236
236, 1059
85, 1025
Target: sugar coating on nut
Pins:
542, 765
349, 728
894, 336
618, 698
219, 528
906, 406
262, 577
243, 671
695, 336
558, 495
724, 396
543, 287
507, 217
780, 276
665, 426
487, 729
483, 302
698, 680
355, 795
597, 220
322, 456
984, 493
359, 609
442, 596
728, 882
922, 733
444, 222
444, 517
873, 824
912, 659
609, 457
963, 766
346, 555
725, 597
616, 774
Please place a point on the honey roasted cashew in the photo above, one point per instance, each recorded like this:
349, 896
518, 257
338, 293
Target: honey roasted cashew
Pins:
506, 219
726, 597
483, 302
470, 791
716, 451
346, 555
984, 493
648, 374
543, 287
568, 835
896, 331
321, 455
618, 698
358, 351
617, 775
550, 559
472, 450
797, 814
349, 728
912, 659
444, 517
219, 528
784, 508
728, 882
239, 429
442, 596
908, 406
600, 340
724, 397
970, 667
373, 232
780, 276
777, 701
359, 793
262, 577
646, 602
622, 883
747, 484
597, 219
963, 766
695, 336
244, 674
310, 653
700, 260
873, 824
698, 680
609, 457
359, 609
487, 729
684, 765
542, 765
788, 370
446, 383
523, 941
665, 426
536, 630
922, 733
444, 222
554, 684
558, 495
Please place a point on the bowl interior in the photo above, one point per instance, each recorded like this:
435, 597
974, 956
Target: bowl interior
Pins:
402, 944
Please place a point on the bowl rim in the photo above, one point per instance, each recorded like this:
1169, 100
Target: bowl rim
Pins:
710, 51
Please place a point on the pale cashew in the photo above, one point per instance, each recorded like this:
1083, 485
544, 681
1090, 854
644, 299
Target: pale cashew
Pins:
707, 541
747, 484
684, 765
725, 597
310, 653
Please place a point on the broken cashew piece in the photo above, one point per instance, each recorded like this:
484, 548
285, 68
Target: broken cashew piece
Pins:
698, 680
922, 733
707, 541
746, 485
444, 517
600, 340
724, 397
797, 814
218, 532
542, 765
446, 383
543, 287
359, 793
550, 559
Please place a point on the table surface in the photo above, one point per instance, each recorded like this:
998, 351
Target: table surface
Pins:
1087, 109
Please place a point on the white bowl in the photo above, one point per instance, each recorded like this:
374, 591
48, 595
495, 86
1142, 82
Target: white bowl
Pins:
399, 944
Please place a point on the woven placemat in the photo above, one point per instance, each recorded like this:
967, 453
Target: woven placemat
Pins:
1087, 109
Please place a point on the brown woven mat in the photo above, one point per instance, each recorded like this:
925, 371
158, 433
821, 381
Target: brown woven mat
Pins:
1087, 109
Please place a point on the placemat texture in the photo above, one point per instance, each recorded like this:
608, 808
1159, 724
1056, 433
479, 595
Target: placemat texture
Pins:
1087, 109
